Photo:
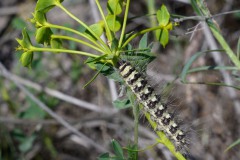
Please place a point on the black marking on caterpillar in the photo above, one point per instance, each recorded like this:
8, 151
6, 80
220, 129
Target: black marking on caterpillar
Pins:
151, 101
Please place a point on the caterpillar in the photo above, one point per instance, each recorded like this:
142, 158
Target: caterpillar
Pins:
151, 101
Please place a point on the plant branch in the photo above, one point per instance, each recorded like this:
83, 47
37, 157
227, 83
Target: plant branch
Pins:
35, 49
140, 33
124, 24
84, 25
74, 31
104, 19
77, 40
164, 140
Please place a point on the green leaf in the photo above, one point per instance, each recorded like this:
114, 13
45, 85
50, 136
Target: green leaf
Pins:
143, 42
188, 64
46, 5
50, 146
117, 149
33, 112
43, 35
56, 44
97, 28
164, 37
122, 103
132, 154
18, 23
140, 58
237, 142
39, 19
196, 8
238, 49
114, 7
163, 16
104, 156
114, 23
27, 143
26, 59
25, 43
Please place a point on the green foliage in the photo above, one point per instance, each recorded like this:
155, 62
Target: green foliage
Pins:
25, 44
117, 48
43, 35
163, 18
118, 153
122, 103
114, 7
46, 5
234, 144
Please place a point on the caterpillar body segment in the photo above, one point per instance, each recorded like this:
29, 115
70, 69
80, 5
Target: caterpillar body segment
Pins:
151, 101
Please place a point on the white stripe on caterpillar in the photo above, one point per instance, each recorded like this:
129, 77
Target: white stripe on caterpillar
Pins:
152, 104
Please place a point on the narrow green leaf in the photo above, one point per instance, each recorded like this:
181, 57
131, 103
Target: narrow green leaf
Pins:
143, 42
163, 16
95, 76
117, 149
237, 142
104, 156
188, 64
195, 7
238, 49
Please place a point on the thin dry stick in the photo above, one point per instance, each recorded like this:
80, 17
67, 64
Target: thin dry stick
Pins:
89, 141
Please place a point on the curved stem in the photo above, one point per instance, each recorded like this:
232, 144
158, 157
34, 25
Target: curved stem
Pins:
36, 49
164, 140
141, 32
84, 25
124, 24
77, 40
73, 31
105, 21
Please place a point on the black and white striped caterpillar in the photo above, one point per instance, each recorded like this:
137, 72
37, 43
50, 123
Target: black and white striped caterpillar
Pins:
151, 101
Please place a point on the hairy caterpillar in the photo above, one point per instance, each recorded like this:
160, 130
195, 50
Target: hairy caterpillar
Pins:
151, 101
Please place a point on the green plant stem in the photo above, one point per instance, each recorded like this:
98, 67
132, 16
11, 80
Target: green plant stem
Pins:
152, 11
78, 41
202, 10
164, 140
124, 24
74, 31
140, 33
85, 26
224, 44
36, 49
136, 123
105, 21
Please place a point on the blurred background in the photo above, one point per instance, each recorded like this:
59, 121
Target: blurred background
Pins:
29, 131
